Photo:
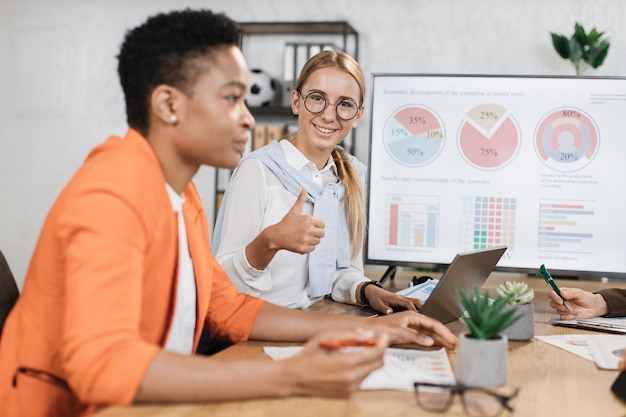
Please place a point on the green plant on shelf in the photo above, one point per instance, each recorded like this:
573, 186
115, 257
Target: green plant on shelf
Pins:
583, 49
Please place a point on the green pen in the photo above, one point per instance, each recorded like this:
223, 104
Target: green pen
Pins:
550, 281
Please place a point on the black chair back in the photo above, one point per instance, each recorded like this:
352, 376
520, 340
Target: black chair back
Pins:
8, 290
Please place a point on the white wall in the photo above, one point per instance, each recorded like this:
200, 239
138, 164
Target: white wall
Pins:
59, 93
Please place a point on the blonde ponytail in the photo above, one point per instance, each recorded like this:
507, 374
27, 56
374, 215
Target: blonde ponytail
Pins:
353, 203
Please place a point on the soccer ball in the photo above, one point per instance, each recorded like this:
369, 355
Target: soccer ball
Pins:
262, 89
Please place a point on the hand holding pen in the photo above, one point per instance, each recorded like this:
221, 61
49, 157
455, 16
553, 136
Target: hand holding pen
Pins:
584, 304
550, 281
344, 343
331, 364
355, 339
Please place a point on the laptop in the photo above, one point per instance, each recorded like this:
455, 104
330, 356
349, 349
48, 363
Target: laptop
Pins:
468, 270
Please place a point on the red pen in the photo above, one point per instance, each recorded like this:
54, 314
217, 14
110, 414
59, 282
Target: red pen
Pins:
338, 344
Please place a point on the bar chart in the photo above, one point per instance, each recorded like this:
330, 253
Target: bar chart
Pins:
565, 225
412, 220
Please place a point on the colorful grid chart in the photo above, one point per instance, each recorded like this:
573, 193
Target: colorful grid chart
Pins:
564, 225
412, 220
487, 222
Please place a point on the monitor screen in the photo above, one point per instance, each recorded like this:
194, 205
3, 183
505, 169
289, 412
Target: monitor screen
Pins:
464, 162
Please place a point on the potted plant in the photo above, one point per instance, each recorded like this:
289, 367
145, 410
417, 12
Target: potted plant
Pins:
583, 49
520, 300
481, 358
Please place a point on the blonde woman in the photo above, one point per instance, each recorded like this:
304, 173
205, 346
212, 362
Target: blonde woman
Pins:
290, 229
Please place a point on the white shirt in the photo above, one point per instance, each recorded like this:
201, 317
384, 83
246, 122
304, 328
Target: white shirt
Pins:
180, 337
256, 200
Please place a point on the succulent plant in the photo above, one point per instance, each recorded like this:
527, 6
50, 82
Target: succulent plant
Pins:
583, 49
517, 292
486, 318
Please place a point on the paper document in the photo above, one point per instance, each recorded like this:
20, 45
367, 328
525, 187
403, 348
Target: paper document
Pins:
607, 350
420, 291
401, 369
574, 343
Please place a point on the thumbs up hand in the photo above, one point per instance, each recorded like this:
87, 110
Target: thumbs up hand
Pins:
298, 206
299, 232
296, 232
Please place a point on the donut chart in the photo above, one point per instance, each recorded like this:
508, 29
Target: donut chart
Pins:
488, 137
414, 135
566, 139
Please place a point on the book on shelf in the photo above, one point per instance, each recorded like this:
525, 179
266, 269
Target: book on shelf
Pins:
259, 135
219, 196
289, 73
265, 133
275, 132
302, 55
295, 55
250, 143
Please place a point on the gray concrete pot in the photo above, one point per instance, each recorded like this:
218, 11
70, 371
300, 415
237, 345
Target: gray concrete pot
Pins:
524, 328
481, 363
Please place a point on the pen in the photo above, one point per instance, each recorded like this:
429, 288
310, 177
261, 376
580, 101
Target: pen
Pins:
546, 275
338, 344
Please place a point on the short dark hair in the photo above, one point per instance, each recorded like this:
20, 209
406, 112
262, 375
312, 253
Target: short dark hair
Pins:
166, 49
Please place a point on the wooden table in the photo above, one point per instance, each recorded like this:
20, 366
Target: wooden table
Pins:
553, 382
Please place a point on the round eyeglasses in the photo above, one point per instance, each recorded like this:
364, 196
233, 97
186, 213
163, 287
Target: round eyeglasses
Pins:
477, 402
316, 103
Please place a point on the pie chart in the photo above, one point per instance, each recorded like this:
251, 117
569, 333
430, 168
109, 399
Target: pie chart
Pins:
567, 139
414, 135
489, 137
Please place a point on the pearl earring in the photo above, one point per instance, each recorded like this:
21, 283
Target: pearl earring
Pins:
173, 118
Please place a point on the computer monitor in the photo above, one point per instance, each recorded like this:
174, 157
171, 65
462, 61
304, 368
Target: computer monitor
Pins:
464, 162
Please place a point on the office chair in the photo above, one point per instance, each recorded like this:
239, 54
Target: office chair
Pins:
8, 290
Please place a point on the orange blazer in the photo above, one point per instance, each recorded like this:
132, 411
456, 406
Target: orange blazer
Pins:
99, 294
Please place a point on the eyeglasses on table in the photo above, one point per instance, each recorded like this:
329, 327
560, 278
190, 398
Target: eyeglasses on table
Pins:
477, 402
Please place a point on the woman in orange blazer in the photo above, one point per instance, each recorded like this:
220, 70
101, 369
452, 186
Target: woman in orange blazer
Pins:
122, 280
